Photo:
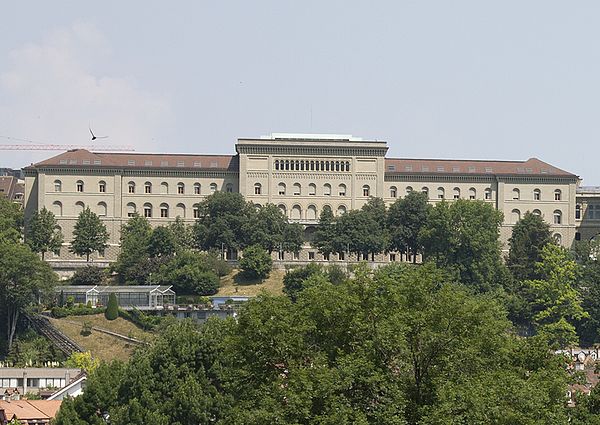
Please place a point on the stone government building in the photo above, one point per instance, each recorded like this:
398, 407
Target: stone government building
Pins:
301, 174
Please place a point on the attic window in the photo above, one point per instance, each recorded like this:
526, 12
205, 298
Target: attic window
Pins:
391, 168
440, 168
180, 163
488, 169
544, 171
455, 169
147, 162
131, 162
72, 161
528, 170
408, 168
214, 164
86, 162
97, 162
197, 164
520, 170
164, 163
62, 161
471, 169
424, 168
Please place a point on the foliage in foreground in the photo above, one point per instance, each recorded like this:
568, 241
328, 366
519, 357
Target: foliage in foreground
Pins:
403, 346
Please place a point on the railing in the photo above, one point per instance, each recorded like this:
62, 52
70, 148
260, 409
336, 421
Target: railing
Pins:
43, 326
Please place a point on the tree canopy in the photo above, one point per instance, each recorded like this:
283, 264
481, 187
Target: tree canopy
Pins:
89, 234
42, 232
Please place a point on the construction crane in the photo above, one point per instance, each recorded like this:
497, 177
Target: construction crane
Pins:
64, 148
32, 145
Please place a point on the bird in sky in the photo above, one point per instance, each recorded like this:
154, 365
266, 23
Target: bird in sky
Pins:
94, 137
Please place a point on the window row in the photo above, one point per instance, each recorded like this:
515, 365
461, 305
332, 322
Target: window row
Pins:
537, 194
312, 189
592, 212
556, 216
310, 165
101, 208
180, 188
163, 211
441, 192
79, 186
311, 212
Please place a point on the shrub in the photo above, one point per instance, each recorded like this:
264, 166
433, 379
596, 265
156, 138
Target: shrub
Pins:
216, 264
189, 273
86, 328
79, 310
256, 262
112, 309
89, 275
140, 319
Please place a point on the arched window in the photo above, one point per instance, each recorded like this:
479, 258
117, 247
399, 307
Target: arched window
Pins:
311, 212
456, 193
281, 188
148, 189
557, 195
283, 209
578, 212
196, 211
164, 210
229, 188
472, 193
57, 186
536, 212
516, 194
180, 210
312, 189
296, 212
557, 217
342, 189
197, 189
213, 187
131, 187
516, 216
79, 207
180, 188
102, 209
425, 190
257, 188
537, 194
102, 186
277, 164
557, 238
147, 210
297, 189
327, 189
408, 190
487, 194
441, 193
341, 210
366, 190
164, 187
79, 186
131, 209
57, 208
393, 191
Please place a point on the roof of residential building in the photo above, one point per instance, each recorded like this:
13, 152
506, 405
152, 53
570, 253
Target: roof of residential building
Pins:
532, 166
83, 157
7, 186
30, 410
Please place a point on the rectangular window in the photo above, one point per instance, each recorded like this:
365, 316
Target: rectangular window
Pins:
392, 257
180, 163
131, 162
281, 255
196, 213
79, 187
342, 256
148, 189
296, 255
102, 188
180, 190
164, 163
147, 212
311, 255
97, 162
147, 163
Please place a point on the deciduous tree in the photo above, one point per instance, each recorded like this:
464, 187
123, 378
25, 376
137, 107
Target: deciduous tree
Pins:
42, 232
89, 234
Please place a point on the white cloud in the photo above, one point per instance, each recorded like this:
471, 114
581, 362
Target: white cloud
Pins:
51, 90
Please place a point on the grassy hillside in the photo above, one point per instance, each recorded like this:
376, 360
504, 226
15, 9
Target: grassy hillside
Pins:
103, 346
235, 284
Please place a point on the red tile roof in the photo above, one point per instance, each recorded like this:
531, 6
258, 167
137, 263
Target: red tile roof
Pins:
30, 410
532, 166
83, 157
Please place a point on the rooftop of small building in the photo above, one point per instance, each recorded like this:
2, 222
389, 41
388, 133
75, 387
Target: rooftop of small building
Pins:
27, 410
115, 289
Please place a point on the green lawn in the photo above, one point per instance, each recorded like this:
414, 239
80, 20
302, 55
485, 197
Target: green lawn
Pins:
235, 284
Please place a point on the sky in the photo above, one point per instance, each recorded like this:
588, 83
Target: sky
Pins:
476, 79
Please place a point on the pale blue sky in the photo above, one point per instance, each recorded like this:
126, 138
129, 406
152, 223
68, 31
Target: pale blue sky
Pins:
437, 79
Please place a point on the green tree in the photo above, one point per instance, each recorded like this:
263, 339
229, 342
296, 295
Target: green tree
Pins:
132, 262
162, 242
405, 221
586, 255
189, 273
529, 236
362, 231
256, 263
267, 227
554, 299
293, 281
182, 234
325, 236
24, 279
43, 233
84, 361
89, 234
464, 236
11, 220
112, 309
89, 275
